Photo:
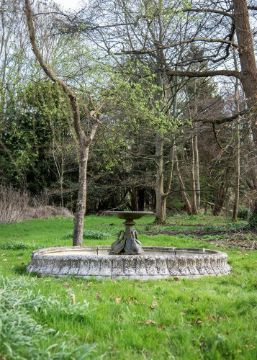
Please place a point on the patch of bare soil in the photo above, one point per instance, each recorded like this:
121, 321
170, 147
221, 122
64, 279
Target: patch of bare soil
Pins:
191, 225
196, 233
245, 241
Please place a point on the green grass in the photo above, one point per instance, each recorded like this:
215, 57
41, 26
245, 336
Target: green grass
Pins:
208, 318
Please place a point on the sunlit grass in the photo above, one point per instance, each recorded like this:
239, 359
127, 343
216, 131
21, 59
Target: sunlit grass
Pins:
207, 318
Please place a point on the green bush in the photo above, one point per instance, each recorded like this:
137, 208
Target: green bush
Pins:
223, 228
243, 213
15, 246
253, 220
95, 234
175, 205
92, 235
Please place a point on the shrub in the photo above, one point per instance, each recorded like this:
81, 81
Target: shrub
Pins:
41, 212
243, 213
12, 204
94, 234
15, 246
253, 220
231, 227
14, 207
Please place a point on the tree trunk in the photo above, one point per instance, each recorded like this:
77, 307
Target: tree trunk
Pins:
62, 178
133, 199
238, 172
140, 199
247, 59
197, 169
159, 186
194, 199
220, 199
238, 150
82, 198
61, 191
161, 213
183, 189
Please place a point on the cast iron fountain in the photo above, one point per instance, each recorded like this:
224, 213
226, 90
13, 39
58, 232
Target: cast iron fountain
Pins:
127, 258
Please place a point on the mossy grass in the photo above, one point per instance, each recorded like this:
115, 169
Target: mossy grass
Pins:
205, 318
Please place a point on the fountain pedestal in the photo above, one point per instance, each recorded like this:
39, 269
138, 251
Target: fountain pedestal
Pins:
127, 242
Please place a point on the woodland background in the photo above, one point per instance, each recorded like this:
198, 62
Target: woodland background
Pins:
177, 128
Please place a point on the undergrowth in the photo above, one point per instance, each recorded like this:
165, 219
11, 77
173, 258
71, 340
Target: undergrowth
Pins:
16, 246
92, 235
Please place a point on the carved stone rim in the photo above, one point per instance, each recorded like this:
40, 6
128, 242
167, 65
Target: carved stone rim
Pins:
148, 251
165, 262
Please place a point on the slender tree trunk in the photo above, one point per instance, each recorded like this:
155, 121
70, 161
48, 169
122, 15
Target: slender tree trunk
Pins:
238, 172
238, 149
197, 169
161, 197
195, 151
220, 199
62, 177
82, 198
133, 199
159, 186
61, 191
194, 199
183, 189
140, 199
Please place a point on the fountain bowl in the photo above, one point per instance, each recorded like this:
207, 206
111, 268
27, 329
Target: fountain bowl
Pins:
128, 215
154, 263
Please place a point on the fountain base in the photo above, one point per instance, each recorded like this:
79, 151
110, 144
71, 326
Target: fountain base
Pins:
154, 263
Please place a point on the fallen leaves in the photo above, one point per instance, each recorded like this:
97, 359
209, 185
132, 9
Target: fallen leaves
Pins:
154, 304
98, 296
150, 322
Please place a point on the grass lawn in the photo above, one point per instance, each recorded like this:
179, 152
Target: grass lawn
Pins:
70, 318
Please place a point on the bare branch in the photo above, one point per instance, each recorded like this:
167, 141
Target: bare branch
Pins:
224, 119
191, 74
251, 7
168, 46
207, 10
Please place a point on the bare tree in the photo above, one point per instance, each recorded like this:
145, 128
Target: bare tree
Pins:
83, 139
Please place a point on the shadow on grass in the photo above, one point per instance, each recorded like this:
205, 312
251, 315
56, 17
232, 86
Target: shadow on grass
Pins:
20, 269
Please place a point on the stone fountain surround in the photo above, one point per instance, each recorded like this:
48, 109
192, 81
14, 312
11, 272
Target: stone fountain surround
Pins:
154, 263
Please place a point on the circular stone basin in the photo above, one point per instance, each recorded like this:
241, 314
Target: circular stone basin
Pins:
154, 263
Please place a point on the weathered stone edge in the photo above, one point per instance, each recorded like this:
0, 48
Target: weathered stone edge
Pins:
127, 266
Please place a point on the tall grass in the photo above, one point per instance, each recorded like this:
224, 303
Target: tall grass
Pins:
13, 204
23, 337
